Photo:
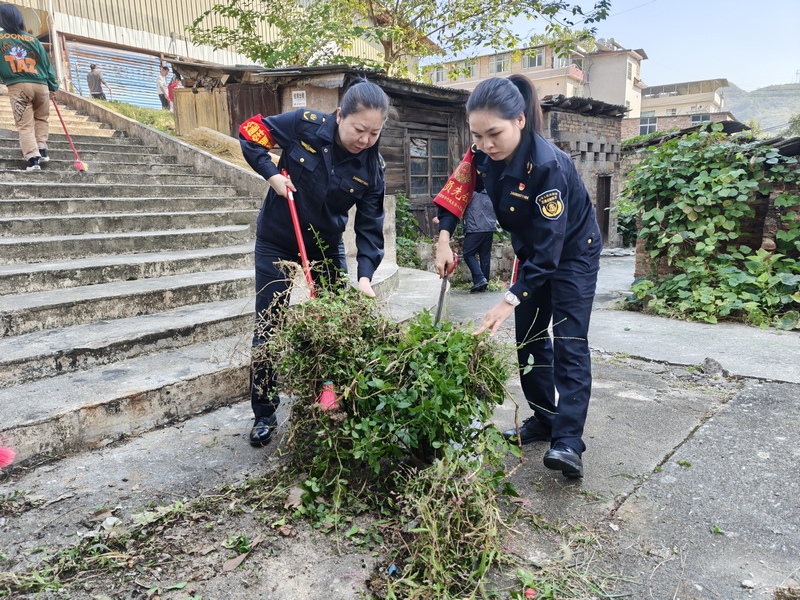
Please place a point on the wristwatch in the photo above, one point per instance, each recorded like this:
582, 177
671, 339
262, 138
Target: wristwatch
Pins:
511, 299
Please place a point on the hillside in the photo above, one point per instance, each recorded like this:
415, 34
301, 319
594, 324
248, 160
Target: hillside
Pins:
771, 105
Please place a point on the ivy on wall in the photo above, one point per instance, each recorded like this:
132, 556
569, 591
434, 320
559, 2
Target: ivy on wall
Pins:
694, 194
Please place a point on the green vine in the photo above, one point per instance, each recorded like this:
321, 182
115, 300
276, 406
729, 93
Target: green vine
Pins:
694, 194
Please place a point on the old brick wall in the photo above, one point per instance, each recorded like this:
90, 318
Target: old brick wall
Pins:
630, 127
593, 142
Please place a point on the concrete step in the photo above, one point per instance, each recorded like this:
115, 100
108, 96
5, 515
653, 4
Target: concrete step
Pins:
58, 137
35, 189
14, 251
89, 409
7, 119
127, 155
97, 144
90, 177
89, 129
38, 311
49, 207
121, 223
19, 164
58, 352
39, 277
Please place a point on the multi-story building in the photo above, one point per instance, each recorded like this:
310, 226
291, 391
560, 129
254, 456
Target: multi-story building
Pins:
677, 106
610, 74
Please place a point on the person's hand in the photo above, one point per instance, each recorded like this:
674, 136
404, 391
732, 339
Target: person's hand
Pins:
435, 220
494, 318
444, 258
52, 95
365, 287
279, 183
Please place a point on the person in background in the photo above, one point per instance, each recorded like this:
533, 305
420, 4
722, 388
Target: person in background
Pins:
479, 227
31, 81
176, 82
540, 199
96, 82
163, 88
333, 163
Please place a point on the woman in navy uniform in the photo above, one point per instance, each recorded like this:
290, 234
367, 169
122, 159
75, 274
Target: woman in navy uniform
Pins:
333, 163
540, 199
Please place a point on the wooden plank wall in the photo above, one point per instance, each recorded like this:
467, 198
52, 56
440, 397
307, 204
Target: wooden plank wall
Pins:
201, 110
248, 100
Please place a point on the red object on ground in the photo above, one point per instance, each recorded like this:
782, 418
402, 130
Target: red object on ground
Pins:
6, 456
78, 164
328, 399
529, 593
299, 235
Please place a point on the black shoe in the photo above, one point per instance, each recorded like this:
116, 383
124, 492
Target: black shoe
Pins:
33, 164
261, 433
43, 155
563, 458
481, 286
532, 430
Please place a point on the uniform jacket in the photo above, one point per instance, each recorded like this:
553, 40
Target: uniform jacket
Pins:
540, 199
479, 215
23, 60
325, 192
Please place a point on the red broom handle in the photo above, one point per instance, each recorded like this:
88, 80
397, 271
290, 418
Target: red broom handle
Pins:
69, 139
299, 235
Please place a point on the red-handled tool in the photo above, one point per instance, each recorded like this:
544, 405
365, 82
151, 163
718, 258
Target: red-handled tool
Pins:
444, 289
299, 235
78, 164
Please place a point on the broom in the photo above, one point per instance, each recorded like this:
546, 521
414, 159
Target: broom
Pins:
78, 164
6, 456
299, 235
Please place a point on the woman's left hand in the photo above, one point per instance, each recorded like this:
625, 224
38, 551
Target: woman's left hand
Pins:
365, 287
494, 318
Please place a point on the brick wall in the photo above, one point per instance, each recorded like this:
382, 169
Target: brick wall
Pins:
593, 142
630, 127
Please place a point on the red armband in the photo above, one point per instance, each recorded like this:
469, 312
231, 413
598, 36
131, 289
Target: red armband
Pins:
457, 192
254, 130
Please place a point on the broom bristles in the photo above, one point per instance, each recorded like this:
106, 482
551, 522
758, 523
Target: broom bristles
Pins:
6, 456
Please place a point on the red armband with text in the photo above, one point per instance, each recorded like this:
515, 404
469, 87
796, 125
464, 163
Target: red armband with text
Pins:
457, 192
254, 130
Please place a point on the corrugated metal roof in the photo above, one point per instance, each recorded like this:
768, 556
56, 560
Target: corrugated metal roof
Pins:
132, 76
584, 106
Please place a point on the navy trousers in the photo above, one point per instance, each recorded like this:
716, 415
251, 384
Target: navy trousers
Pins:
479, 243
563, 363
271, 295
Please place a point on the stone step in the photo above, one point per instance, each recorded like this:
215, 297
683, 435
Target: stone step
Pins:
40, 190
89, 409
89, 157
90, 177
14, 251
58, 352
19, 164
98, 144
72, 120
38, 311
89, 129
39, 277
121, 223
49, 207
120, 139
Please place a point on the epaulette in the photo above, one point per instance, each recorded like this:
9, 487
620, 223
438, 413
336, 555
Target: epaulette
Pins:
313, 116
381, 162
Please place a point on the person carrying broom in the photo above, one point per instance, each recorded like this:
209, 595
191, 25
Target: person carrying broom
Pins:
332, 163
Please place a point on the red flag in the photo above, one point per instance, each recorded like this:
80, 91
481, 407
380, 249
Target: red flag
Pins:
457, 192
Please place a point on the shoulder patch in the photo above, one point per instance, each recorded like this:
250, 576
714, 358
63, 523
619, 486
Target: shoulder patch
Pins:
254, 130
550, 204
313, 116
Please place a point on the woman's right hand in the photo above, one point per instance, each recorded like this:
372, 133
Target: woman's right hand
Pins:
444, 258
279, 183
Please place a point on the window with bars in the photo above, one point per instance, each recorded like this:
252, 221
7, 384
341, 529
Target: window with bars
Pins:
535, 58
428, 164
499, 63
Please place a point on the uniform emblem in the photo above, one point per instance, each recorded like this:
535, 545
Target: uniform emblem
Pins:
463, 173
309, 115
550, 204
307, 147
521, 186
361, 181
529, 168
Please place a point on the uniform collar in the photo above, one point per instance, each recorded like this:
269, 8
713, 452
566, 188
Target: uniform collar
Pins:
327, 128
519, 167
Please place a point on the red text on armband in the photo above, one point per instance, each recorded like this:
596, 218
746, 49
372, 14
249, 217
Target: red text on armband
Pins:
254, 130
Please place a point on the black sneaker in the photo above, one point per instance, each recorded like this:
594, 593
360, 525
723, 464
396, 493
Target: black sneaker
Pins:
261, 434
532, 430
33, 164
481, 286
563, 458
43, 155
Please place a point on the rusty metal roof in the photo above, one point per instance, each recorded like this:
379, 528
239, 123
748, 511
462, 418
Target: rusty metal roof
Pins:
584, 106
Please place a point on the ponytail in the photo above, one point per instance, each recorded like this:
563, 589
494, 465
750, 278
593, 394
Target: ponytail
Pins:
509, 98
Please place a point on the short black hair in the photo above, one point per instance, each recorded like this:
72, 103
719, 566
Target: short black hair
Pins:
11, 19
92, 66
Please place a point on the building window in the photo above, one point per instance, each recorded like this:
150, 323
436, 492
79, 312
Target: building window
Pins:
438, 75
559, 62
534, 59
671, 112
628, 104
648, 113
648, 125
467, 69
428, 165
630, 70
499, 63
698, 119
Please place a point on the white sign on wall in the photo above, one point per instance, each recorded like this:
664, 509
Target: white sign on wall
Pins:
299, 98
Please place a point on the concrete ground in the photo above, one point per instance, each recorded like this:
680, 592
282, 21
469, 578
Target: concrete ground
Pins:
691, 487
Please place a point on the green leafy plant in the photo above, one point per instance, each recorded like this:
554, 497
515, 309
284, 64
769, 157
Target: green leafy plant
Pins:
694, 193
408, 234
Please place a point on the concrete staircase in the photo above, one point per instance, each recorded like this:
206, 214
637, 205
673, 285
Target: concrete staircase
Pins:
125, 291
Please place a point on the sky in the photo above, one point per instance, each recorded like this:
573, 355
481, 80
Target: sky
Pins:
751, 43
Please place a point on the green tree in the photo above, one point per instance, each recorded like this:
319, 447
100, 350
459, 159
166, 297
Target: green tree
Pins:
322, 31
756, 130
794, 126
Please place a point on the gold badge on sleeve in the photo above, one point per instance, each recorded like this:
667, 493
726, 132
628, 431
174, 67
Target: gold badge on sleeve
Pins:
550, 204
